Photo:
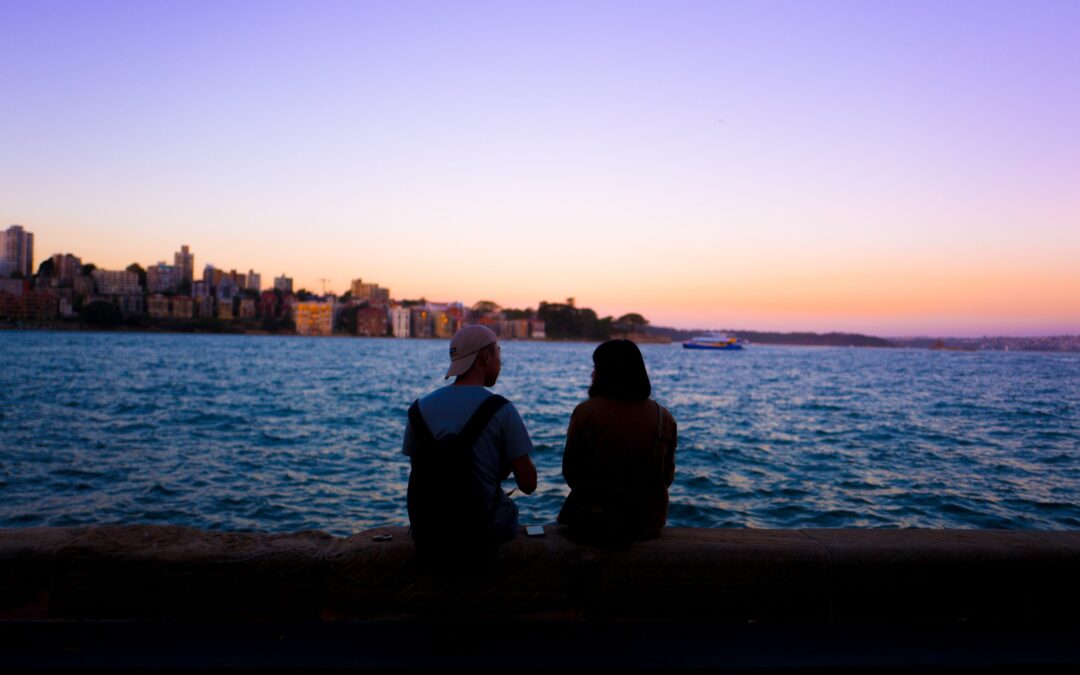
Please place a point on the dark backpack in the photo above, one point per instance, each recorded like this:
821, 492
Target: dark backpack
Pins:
447, 502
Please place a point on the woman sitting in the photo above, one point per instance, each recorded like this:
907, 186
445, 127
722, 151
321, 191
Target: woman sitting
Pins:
620, 453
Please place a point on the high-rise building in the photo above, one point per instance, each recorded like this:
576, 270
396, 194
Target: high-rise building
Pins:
283, 284
369, 292
254, 281
162, 278
66, 267
212, 276
185, 260
16, 252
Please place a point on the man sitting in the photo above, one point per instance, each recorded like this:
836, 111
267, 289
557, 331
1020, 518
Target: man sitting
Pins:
463, 441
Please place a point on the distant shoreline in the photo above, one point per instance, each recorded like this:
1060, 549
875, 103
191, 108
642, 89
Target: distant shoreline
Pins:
1056, 344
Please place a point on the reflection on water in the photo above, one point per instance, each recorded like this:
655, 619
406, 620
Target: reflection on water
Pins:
273, 433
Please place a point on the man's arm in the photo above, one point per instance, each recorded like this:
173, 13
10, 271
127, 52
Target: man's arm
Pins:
524, 474
518, 445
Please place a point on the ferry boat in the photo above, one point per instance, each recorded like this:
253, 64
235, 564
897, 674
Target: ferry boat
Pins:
712, 342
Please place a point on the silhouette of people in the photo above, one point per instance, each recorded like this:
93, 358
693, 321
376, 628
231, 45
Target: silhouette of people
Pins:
620, 453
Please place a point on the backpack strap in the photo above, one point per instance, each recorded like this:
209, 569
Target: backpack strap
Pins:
471, 433
479, 420
472, 429
420, 428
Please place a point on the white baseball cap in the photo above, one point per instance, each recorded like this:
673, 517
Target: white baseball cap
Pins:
465, 345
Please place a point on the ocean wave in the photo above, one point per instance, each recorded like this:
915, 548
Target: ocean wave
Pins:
238, 433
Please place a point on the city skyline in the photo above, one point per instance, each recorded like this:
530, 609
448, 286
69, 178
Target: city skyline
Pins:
185, 257
833, 166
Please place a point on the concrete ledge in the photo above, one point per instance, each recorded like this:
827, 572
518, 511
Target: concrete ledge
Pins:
819, 577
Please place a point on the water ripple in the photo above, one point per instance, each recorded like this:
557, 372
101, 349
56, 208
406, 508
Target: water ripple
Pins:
281, 433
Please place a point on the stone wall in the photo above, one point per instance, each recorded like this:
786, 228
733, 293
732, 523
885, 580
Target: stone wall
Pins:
689, 575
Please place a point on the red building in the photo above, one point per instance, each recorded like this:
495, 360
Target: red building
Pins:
371, 321
268, 305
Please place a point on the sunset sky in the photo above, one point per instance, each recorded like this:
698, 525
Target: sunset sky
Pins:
888, 168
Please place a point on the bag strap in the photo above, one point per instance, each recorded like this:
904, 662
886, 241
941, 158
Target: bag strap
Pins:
420, 428
470, 433
479, 420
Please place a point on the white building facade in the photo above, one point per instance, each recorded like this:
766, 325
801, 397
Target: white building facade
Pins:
109, 282
399, 321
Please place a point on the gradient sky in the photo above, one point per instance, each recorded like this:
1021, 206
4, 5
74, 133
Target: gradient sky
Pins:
889, 168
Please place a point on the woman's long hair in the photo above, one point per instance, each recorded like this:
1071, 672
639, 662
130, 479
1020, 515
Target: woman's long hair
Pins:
620, 372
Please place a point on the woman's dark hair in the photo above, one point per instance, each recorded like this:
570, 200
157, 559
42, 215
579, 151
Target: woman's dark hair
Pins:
620, 372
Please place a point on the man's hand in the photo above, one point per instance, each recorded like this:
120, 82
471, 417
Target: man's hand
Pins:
524, 474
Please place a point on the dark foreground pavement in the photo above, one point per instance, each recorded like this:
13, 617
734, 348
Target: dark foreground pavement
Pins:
173, 598
382, 646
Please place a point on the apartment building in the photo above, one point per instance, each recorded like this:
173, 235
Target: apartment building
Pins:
185, 260
283, 284
442, 324
314, 317
398, 318
66, 267
182, 307
371, 293
420, 321
16, 252
204, 306
162, 278
157, 306
371, 321
110, 282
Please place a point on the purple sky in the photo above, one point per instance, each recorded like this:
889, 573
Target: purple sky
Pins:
892, 168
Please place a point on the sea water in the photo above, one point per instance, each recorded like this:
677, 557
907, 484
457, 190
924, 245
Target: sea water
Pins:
286, 433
